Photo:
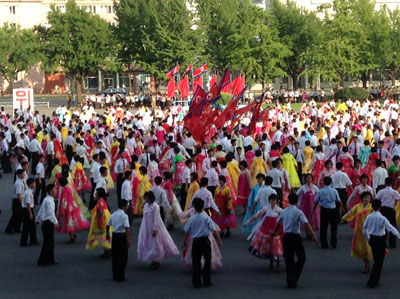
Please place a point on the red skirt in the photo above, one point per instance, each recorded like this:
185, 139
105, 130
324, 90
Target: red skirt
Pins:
263, 245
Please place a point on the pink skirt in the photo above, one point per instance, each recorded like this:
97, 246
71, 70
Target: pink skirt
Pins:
263, 245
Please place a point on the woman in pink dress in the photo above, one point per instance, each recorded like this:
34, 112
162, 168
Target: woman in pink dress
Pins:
70, 217
216, 257
327, 171
177, 167
346, 159
160, 133
264, 245
249, 154
307, 195
154, 242
244, 186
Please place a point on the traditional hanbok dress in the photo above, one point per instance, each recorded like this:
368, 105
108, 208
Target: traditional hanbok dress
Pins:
80, 179
233, 172
59, 152
355, 177
359, 246
307, 194
177, 168
153, 171
199, 163
354, 198
324, 173
69, 215
154, 249
97, 232
249, 155
370, 166
317, 165
308, 156
193, 187
347, 161
257, 166
286, 189
274, 154
225, 173
394, 173
144, 186
109, 179
173, 214
244, 187
289, 163
252, 197
160, 133
263, 244
363, 155
216, 257
226, 217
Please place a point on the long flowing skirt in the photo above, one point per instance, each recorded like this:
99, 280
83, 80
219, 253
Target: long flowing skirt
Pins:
243, 191
263, 245
307, 205
216, 257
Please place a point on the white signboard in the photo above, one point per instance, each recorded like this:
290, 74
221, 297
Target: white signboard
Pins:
23, 98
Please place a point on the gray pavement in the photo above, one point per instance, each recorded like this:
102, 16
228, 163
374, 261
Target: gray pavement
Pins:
83, 274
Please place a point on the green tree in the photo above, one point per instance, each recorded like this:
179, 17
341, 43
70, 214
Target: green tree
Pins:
77, 42
19, 51
299, 30
270, 54
155, 35
337, 56
390, 46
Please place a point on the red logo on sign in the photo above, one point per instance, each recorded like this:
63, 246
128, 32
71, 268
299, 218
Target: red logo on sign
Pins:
22, 96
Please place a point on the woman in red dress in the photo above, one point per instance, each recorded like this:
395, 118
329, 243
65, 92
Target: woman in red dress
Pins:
244, 186
370, 166
69, 215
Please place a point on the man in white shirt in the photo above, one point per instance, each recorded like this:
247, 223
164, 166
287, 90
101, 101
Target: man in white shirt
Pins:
102, 182
340, 181
278, 180
34, 149
263, 195
28, 217
160, 197
374, 232
212, 177
50, 154
126, 193
189, 144
40, 180
14, 225
185, 182
205, 195
48, 218
389, 197
378, 176
120, 167
144, 159
69, 146
207, 161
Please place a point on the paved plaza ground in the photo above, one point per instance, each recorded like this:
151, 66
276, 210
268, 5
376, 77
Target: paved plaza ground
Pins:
83, 274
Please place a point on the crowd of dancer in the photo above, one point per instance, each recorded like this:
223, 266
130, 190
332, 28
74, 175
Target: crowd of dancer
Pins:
298, 171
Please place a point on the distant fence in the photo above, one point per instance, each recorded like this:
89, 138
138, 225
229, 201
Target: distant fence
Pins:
37, 104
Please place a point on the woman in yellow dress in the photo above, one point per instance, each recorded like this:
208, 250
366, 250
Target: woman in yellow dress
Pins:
233, 171
359, 247
144, 186
308, 155
194, 186
290, 164
100, 217
257, 166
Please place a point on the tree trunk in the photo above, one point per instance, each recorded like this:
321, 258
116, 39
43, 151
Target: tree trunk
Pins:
79, 86
392, 76
294, 79
129, 82
364, 79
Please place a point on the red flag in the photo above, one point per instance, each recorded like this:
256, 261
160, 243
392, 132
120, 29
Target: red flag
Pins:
239, 114
254, 119
171, 88
200, 70
198, 81
213, 81
238, 85
183, 87
198, 97
189, 69
172, 72
214, 94
225, 83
